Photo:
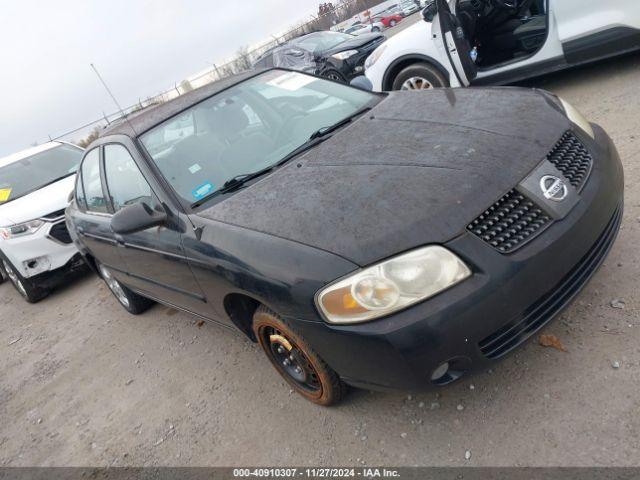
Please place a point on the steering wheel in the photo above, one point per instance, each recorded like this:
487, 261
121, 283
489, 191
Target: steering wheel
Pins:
509, 5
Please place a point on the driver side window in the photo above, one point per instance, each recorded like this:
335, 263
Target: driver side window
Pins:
125, 182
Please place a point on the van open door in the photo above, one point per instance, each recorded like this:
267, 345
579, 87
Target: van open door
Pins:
449, 31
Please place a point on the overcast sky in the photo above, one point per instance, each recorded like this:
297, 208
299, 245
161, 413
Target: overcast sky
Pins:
141, 47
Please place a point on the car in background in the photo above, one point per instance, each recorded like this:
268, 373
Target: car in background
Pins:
389, 21
36, 251
408, 7
333, 55
362, 28
497, 42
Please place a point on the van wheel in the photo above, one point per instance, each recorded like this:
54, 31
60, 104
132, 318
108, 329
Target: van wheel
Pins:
296, 361
419, 76
132, 302
24, 286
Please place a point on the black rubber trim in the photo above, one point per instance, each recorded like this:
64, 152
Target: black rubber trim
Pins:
602, 44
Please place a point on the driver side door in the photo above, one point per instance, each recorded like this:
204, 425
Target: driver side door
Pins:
450, 35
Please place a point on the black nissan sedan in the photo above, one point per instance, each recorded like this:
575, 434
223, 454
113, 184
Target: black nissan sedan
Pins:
384, 241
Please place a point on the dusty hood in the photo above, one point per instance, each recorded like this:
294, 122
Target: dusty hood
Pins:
42, 202
414, 171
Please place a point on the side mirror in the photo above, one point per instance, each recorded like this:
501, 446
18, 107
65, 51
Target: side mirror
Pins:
135, 218
363, 83
429, 12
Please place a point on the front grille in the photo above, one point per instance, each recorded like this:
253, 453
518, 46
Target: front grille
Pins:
510, 222
572, 158
60, 233
540, 313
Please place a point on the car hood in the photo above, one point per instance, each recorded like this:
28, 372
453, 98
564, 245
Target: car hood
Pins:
416, 170
42, 202
356, 42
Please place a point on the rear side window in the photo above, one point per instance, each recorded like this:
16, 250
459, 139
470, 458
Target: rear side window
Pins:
94, 198
125, 182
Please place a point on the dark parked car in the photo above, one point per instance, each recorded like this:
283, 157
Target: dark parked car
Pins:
334, 55
478, 216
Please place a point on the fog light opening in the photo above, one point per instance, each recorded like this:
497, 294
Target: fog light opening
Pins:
440, 372
450, 371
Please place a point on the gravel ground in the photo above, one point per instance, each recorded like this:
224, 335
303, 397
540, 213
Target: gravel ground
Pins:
83, 383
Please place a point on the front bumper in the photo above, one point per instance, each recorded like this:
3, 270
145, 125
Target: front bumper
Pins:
507, 300
48, 249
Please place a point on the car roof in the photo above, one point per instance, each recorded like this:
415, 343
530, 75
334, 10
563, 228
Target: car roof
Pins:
138, 123
29, 152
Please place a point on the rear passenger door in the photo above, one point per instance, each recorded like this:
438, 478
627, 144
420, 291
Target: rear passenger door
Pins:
154, 258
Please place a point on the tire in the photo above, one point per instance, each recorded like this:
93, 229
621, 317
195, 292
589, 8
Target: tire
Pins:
315, 381
25, 287
132, 302
334, 75
375, 29
423, 75
393, 23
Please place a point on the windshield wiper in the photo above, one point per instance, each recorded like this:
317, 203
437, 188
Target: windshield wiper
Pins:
234, 183
316, 138
324, 131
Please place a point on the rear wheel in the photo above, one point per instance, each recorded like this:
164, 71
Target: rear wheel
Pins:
30, 292
419, 76
296, 361
132, 302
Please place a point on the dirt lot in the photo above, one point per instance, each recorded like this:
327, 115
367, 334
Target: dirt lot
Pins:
83, 383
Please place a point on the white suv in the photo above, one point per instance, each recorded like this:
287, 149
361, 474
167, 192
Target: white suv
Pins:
35, 248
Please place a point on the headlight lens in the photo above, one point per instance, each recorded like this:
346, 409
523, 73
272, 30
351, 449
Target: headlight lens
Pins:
576, 117
392, 285
375, 56
344, 55
22, 229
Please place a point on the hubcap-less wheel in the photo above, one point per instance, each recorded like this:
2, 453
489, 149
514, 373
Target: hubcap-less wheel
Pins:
14, 278
291, 360
114, 286
416, 83
334, 76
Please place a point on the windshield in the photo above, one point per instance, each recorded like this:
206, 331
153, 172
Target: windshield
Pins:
247, 128
24, 176
322, 41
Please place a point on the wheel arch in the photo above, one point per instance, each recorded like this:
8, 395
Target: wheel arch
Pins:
404, 61
240, 309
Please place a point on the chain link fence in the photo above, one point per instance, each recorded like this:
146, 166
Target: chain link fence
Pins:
329, 15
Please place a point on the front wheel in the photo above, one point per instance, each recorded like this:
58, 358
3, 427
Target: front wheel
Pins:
335, 76
296, 361
419, 76
393, 23
132, 302
31, 293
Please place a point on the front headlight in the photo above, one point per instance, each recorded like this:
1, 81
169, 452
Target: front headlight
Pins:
392, 285
576, 117
22, 229
344, 55
375, 56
